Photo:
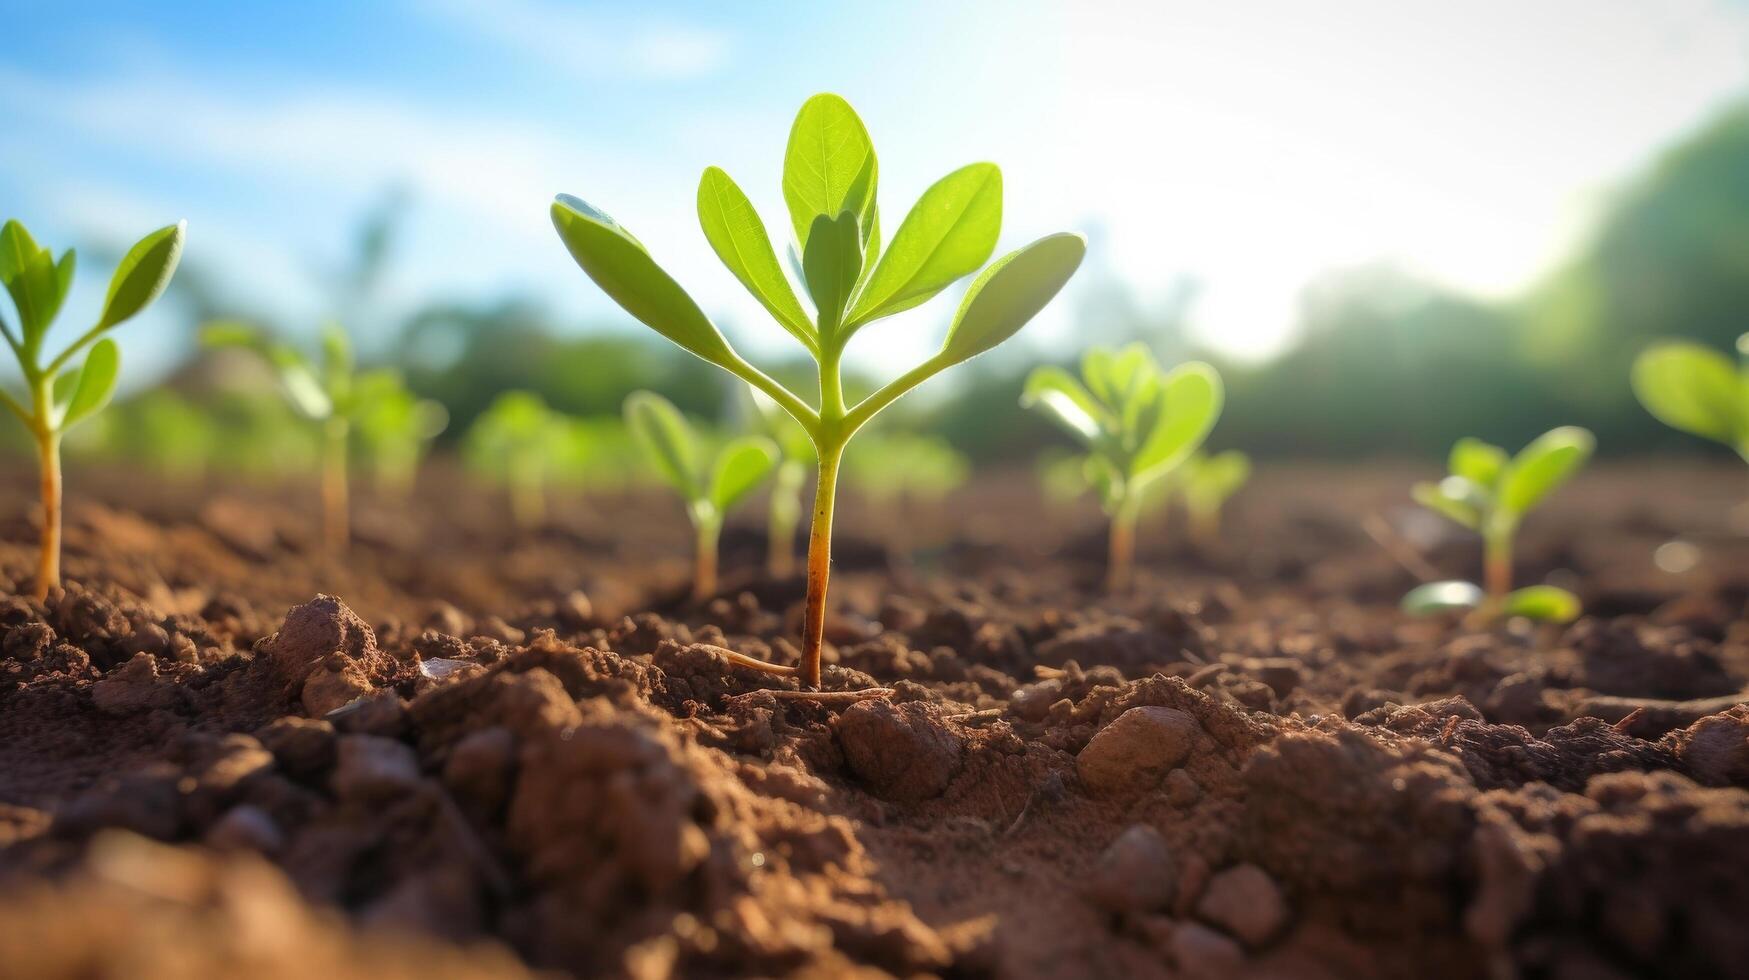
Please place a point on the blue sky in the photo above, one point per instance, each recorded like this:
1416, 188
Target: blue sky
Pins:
1252, 146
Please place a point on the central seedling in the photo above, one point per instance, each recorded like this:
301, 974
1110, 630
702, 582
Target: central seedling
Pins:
59, 396
1489, 493
829, 185
1137, 422
710, 491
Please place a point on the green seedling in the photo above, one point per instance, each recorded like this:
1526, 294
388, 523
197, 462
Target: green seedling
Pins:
518, 440
59, 395
328, 392
710, 492
1137, 423
1205, 482
1489, 493
395, 428
901, 467
829, 185
784, 508
1697, 390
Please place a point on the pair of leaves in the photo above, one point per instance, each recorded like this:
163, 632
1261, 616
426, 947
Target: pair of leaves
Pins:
1697, 390
673, 448
1540, 602
1141, 421
1486, 489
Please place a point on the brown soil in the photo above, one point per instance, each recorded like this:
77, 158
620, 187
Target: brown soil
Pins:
468, 752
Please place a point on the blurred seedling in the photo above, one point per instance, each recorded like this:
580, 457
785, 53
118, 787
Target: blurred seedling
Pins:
517, 440
59, 395
784, 513
1205, 482
829, 185
710, 490
1137, 423
899, 471
1490, 493
395, 429
327, 391
1697, 390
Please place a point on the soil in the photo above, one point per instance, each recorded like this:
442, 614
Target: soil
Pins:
470, 751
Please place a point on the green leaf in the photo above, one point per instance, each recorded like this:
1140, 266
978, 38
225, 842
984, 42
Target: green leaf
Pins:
742, 465
96, 382
1462, 508
828, 167
1219, 476
1188, 404
229, 333
1010, 292
623, 269
1435, 597
1057, 393
30, 276
950, 232
143, 274
1542, 466
667, 438
831, 262
734, 230
301, 384
63, 281
1542, 602
1477, 462
1695, 389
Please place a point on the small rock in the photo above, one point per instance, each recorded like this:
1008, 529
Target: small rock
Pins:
575, 611
479, 767
314, 632
1200, 952
1135, 873
246, 827
371, 768
1193, 877
333, 685
1282, 674
499, 630
1137, 750
134, 687
382, 714
1716, 748
304, 747
902, 751
1246, 902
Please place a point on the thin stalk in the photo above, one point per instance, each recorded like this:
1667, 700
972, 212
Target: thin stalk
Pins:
48, 564
336, 516
1497, 564
704, 560
819, 562
1121, 556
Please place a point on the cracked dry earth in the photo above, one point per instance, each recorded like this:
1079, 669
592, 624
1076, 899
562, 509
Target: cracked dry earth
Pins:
473, 753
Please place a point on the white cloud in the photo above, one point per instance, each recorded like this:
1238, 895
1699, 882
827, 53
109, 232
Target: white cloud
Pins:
587, 43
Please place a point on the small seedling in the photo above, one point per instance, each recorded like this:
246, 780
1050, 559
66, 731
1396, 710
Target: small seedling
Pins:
710, 492
1490, 493
902, 467
60, 396
326, 392
1698, 390
516, 440
395, 428
1205, 483
1137, 422
784, 509
829, 185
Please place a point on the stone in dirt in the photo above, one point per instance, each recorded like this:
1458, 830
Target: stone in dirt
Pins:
315, 631
1246, 902
1135, 874
902, 751
1716, 748
374, 768
1202, 953
1137, 749
304, 747
134, 687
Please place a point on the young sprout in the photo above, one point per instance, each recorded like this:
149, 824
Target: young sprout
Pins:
514, 440
902, 467
829, 185
1205, 482
1137, 422
325, 392
1698, 390
709, 493
59, 396
785, 506
395, 428
1490, 493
